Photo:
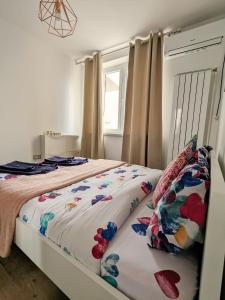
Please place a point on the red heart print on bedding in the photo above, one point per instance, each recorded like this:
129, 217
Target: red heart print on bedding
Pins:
103, 237
45, 197
167, 280
194, 209
98, 237
144, 220
99, 249
42, 198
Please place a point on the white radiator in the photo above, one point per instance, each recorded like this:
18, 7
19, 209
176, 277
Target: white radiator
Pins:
190, 109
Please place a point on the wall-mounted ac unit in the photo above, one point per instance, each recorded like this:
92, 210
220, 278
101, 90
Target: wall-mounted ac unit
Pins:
195, 39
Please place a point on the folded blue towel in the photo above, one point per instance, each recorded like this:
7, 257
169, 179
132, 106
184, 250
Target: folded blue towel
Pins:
24, 168
66, 161
49, 165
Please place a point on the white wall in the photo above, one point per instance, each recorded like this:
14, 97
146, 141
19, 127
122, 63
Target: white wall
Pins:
209, 58
36, 93
221, 154
78, 85
221, 139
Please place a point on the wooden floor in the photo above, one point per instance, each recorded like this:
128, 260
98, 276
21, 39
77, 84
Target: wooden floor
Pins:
20, 279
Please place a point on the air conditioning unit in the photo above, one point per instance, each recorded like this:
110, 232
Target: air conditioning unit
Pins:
196, 39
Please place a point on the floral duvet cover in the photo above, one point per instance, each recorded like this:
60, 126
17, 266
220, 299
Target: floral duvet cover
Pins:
83, 218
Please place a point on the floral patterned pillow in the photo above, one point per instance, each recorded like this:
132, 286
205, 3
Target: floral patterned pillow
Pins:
201, 159
173, 170
180, 215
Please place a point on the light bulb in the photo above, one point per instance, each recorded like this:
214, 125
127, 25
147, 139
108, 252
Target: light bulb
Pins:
58, 10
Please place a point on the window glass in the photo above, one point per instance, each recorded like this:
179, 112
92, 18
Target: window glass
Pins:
114, 90
112, 95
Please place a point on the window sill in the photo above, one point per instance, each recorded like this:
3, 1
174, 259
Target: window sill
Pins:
112, 134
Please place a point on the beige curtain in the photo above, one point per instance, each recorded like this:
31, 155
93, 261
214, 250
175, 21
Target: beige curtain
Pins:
92, 135
142, 140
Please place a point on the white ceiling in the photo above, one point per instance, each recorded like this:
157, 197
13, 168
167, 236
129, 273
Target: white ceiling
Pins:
106, 23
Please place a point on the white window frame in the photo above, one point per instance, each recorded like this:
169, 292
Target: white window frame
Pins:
109, 67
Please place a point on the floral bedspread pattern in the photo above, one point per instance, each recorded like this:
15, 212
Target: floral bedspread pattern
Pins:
145, 273
5, 176
83, 218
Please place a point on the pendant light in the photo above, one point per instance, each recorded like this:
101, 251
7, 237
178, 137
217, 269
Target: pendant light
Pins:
59, 16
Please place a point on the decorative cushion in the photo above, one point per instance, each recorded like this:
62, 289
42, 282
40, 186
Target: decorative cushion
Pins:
173, 170
180, 215
201, 158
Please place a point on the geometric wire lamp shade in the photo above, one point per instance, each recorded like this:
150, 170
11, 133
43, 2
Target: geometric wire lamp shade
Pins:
59, 16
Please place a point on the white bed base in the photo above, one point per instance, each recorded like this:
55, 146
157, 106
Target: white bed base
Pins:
73, 278
77, 282
214, 245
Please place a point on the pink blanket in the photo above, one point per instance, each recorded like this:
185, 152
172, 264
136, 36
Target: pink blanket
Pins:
15, 192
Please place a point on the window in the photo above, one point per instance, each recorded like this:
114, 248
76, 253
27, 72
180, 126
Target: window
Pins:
114, 91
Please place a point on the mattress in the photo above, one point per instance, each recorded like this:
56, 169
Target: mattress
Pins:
75, 217
83, 218
143, 273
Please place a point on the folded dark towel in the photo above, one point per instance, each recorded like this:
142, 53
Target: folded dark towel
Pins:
49, 165
24, 168
66, 161
58, 159
18, 165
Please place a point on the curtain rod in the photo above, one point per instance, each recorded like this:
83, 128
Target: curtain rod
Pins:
105, 52
121, 47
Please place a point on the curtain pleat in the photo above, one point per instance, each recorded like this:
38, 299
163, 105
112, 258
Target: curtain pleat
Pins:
142, 140
92, 136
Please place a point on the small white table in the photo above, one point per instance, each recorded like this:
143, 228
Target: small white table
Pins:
63, 145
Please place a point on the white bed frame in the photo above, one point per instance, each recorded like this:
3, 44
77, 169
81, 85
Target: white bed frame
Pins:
77, 282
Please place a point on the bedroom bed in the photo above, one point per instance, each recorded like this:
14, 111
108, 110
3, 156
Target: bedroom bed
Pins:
75, 277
